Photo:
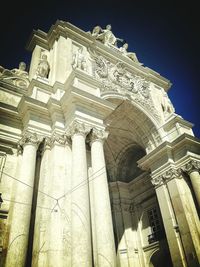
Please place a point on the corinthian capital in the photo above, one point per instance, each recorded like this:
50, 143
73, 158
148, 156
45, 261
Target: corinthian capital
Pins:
171, 174
29, 138
78, 128
157, 181
191, 166
58, 139
166, 176
98, 134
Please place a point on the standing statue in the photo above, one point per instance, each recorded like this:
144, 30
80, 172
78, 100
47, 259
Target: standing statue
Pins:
43, 67
166, 104
106, 35
79, 60
131, 55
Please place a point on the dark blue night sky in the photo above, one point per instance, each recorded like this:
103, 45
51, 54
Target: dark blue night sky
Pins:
163, 34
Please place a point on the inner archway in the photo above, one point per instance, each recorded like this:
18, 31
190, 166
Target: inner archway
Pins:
132, 135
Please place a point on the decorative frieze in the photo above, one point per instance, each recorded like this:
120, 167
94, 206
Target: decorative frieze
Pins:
116, 78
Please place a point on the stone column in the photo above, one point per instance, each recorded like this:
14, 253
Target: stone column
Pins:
57, 190
19, 230
106, 254
170, 223
80, 210
185, 246
43, 209
192, 169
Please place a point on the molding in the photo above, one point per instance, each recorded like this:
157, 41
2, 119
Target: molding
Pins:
67, 30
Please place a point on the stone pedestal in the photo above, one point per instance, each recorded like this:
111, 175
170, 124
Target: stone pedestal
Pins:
80, 210
19, 231
106, 255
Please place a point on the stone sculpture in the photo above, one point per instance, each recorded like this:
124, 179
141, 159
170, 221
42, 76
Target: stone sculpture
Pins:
43, 67
17, 76
79, 60
106, 35
131, 55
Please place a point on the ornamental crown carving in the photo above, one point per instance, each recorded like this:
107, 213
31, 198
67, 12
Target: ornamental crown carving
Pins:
116, 78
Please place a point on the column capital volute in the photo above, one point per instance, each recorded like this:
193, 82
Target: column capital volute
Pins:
30, 138
191, 166
77, 128
98, 135
58, 139
47, 142
166, 176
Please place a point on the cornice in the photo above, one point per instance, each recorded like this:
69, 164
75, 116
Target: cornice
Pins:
170, 152
67, 30
78, 97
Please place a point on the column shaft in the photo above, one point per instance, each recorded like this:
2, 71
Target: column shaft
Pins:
169, 220
195, 180
102, 210
81, 229
18, 238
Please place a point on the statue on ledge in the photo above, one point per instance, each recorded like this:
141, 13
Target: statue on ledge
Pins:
106, 35
17, 76
79, 60
43, 67
131, 55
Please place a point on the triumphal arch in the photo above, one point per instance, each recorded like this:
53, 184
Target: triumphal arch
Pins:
97, 169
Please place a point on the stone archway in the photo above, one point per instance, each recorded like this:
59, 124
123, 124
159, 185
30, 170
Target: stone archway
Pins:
132, 135
160, 259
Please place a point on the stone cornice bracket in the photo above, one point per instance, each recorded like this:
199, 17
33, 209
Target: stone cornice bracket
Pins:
166, 177
77, 128
30, 138
191, 166
98, 135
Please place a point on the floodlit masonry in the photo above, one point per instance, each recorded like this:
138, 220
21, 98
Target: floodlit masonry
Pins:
97, 169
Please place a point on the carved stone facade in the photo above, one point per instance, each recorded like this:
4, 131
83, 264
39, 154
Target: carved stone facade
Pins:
97, 169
